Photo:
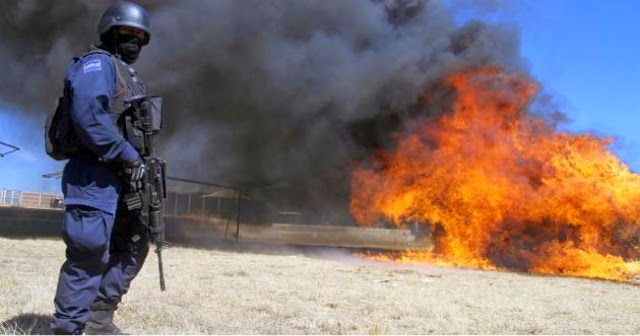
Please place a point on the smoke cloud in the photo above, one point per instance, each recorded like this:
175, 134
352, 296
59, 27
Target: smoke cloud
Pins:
277, 96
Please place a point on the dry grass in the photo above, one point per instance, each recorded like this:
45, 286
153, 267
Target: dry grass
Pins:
227, 292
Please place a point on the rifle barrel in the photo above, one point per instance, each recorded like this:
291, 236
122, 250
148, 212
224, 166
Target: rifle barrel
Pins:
161, 270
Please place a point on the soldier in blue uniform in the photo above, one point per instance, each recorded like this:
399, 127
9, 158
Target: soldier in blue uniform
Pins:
106, 243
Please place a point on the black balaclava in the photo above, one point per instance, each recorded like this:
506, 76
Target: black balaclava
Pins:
126, 46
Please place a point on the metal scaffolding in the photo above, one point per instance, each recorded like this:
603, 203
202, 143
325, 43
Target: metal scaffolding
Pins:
56, 175
12, 149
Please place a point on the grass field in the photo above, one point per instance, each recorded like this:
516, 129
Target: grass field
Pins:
315, 291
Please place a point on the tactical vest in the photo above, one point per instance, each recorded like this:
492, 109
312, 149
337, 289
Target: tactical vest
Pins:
61, 141
129, 84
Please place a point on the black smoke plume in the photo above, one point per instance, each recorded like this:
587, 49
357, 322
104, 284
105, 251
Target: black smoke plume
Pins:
279, 96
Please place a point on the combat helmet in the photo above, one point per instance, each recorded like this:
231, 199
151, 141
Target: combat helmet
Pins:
126, 14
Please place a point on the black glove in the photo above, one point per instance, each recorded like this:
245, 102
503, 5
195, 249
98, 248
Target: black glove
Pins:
136, 171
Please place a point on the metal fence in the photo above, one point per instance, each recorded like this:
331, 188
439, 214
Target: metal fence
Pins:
10, 197
218, 204
221, 204
30, 199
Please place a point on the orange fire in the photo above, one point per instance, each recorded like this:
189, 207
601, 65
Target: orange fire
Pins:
504, 189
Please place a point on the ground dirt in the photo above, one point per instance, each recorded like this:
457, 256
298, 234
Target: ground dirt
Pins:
314, 291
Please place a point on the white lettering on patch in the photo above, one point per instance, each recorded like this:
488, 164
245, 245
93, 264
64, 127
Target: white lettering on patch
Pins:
93, 65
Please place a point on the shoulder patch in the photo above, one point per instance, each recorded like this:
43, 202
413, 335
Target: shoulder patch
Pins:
92, 65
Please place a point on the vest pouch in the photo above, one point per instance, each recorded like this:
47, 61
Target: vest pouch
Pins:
131, 133
157, 113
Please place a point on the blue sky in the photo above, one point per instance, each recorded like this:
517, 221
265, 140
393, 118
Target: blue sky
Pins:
24, 169
585, 53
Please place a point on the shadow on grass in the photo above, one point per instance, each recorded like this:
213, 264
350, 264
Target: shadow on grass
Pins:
26, 324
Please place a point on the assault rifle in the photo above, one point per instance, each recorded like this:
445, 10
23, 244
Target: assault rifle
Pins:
149, 193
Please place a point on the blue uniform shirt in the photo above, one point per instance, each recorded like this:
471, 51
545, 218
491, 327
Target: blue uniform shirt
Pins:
93, 84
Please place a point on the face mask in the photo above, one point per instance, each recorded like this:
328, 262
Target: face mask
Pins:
129, 48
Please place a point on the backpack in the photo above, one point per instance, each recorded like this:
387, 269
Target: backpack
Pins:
60, 138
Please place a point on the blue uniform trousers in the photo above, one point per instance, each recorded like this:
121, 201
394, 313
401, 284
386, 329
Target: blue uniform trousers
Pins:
104, 254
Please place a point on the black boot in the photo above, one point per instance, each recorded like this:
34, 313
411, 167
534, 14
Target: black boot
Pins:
101, 321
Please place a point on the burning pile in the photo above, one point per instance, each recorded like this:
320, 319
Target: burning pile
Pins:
504, 189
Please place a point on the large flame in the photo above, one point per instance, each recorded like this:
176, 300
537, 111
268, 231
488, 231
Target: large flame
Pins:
503, 189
